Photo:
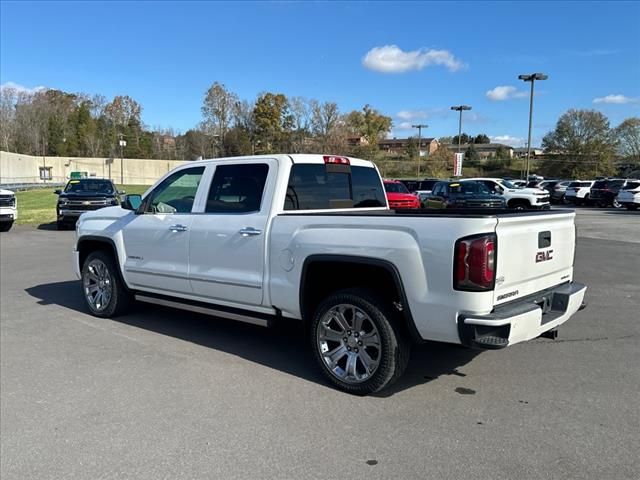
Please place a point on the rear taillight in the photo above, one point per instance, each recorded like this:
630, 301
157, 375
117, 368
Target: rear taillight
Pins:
475, 263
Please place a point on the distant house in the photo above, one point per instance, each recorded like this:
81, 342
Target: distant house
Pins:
357, 141
398, 146
485, 150
521, 152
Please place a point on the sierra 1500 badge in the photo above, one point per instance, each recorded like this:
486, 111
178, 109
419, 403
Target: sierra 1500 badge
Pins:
544, 256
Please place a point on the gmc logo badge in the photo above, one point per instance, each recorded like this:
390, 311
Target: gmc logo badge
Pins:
544, 256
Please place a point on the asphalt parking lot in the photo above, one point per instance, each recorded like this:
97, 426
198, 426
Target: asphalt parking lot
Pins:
162, 394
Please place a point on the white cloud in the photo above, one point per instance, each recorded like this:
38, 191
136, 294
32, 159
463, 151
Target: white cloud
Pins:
404, 126
508, 140
411, 114
616, 99
504, 92
21, 88
392, 59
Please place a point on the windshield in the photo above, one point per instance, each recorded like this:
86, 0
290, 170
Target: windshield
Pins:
469, 188
393, 187
508, 184
89, 186
426, 184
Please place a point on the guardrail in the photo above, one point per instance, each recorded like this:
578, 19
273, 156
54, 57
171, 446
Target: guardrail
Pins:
16, 187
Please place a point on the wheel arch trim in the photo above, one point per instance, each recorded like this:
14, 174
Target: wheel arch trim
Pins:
112, 247
386, 265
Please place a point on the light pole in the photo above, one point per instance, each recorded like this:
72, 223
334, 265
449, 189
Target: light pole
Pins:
123, 143
531, 78
420, 126
460, 108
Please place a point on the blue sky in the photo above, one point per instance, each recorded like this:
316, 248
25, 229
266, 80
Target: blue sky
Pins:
412, 60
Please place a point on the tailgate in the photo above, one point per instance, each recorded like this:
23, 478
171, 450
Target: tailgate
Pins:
533, 253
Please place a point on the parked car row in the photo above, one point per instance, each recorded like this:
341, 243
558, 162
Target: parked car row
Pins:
471, 193
604, 192
517, 194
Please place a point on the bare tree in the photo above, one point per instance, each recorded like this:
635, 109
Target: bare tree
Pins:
8, 100
123, 110
301, 114
218, 110
324, 119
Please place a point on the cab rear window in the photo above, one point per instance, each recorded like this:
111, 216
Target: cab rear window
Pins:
312, 187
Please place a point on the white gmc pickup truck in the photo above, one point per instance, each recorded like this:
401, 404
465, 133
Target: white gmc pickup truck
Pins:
311, 237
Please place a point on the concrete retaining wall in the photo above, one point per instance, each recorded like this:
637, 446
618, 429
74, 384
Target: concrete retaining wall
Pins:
16, 169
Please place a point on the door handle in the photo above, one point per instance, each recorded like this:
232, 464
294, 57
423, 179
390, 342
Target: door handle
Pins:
250, 232
178, 228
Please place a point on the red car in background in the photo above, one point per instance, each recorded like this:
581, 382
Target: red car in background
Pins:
399, 196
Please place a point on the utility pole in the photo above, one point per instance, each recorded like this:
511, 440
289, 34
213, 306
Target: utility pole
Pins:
460, 108
123, 143
420, 126
531, 78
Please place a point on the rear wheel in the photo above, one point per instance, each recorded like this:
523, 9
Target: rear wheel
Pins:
358, 344
102, 288
5, 226
616, 203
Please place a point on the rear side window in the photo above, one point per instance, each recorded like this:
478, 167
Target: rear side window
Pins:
237, 188
600, 184
311, 187
631, 186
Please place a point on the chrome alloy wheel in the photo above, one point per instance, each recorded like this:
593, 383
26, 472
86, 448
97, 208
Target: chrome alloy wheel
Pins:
98, 285
349, 343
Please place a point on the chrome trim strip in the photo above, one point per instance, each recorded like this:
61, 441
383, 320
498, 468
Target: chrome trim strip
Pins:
192, 277
206, 311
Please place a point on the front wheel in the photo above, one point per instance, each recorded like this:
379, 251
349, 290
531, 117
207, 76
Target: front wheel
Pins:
519, 206
616, 203
357, 342
103, 290
5, 226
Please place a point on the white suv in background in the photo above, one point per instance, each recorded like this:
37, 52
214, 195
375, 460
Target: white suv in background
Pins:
516, 197
578, 192
629, 195
8, 209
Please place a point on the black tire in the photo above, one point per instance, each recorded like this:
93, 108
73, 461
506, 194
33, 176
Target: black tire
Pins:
394, 345
519, 205
120, 298
61, 225
5, 226
632, 207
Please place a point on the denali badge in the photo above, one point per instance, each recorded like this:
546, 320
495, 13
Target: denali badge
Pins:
544, 256
507, 295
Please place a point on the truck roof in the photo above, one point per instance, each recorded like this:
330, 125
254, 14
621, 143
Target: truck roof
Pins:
295, 158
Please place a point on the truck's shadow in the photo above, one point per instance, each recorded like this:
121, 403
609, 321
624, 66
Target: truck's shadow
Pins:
283, 347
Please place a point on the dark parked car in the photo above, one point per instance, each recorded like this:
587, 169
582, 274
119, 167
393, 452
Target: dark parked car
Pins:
558, 191
467, 194
603, 192
83, 195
